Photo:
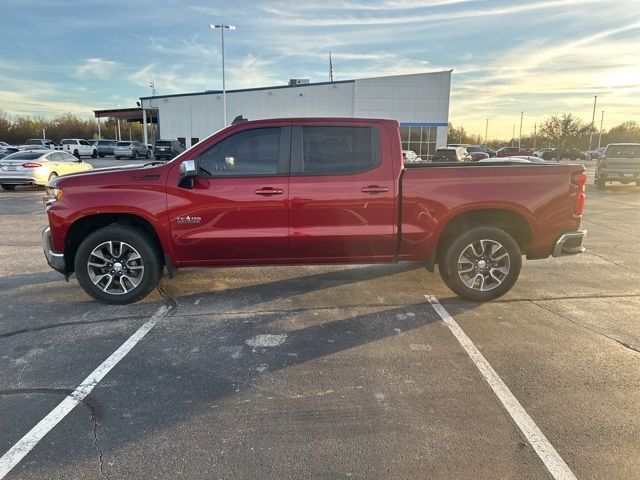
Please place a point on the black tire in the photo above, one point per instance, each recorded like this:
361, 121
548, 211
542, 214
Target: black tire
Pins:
8, 187
449, 266
76, 154
94, 154
101, 155
150, 257
147, 155
134, 156
117, 157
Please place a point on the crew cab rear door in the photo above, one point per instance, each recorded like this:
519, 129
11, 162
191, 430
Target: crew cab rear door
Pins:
342, 193
237, 209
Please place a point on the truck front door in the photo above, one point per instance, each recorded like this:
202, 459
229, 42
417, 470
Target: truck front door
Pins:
238, 208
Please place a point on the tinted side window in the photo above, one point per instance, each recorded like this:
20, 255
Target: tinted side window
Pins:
339, 150
246, 153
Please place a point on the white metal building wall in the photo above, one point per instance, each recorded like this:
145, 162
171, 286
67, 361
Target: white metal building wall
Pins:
419, 99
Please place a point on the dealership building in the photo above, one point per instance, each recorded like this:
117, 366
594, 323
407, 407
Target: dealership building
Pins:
420, 102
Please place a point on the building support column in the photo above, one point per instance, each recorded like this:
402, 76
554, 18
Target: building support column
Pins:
144, 126
99, 133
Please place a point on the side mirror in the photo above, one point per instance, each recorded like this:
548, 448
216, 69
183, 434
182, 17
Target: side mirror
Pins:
188, 172
189, 169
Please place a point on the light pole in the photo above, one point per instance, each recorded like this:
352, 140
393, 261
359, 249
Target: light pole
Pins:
520, 137
486, 131
600, 136
593, 118
222, 26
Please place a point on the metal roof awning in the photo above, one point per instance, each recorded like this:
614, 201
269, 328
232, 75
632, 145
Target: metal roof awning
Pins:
128, 114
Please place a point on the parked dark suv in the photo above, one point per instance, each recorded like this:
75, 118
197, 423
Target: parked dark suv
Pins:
167, 149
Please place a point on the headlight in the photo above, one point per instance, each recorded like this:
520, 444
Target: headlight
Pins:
51, 195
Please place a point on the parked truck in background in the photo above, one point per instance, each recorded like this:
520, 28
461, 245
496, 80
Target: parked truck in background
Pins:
309, 191
42, 142
79, 147
620, 162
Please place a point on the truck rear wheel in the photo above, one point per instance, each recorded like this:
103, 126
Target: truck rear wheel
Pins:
8, 187
481, 264
118, 265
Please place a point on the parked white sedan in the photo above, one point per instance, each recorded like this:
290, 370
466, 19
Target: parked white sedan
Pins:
37, 167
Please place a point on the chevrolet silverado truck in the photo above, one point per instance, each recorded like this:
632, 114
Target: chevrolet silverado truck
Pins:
310, 191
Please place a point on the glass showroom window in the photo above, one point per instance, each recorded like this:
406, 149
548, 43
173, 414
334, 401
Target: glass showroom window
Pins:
421, 140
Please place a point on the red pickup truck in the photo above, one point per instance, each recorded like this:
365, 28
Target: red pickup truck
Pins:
308, 191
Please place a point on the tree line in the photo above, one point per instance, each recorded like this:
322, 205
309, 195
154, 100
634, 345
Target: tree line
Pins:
15, 130
564, 130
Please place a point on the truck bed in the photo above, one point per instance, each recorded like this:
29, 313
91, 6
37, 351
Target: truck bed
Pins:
434, 193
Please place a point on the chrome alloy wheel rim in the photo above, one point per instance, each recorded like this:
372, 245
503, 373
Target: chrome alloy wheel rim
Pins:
115, 267
484, 265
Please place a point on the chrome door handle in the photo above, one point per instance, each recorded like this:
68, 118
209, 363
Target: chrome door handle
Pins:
374, 189
269, 191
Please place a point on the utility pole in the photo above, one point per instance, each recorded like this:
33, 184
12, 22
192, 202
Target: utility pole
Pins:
513, 135
330, 68
535, 131
520, 137
486, 131
600, 136
593, 118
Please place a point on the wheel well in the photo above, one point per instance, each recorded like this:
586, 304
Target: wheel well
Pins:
511, 222
81, 228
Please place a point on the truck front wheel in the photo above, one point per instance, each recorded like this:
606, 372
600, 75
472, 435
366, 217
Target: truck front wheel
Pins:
481, 264
118, 265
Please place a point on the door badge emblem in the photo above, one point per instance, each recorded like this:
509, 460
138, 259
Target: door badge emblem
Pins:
189, 219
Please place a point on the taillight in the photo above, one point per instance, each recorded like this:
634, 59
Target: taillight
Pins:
579, 179
31, 165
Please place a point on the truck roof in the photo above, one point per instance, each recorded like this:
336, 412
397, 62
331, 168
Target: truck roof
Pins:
321, 119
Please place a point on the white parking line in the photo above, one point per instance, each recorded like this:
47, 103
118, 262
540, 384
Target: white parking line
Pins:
44, 426
554, 463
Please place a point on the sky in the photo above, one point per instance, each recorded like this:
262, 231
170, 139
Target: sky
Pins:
537, 57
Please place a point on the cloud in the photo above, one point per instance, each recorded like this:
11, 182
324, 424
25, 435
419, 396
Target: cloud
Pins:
340, 19
98, 67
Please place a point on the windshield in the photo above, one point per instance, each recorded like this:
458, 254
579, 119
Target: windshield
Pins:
68, 142
474, 149
623, 151
33, 141
123, 144
163, 143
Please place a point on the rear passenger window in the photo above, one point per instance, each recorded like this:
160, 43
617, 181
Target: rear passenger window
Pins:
247, 153
339, 150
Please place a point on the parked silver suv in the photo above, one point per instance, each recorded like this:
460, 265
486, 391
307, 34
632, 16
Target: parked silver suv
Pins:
131, 150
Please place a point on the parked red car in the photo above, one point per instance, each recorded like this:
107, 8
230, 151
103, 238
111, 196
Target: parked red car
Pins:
304, 191
477, 153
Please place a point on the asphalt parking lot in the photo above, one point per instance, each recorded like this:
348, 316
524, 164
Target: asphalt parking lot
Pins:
326, 371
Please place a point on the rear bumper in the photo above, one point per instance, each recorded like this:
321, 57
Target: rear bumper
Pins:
18, 180
54, 259
569, 243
